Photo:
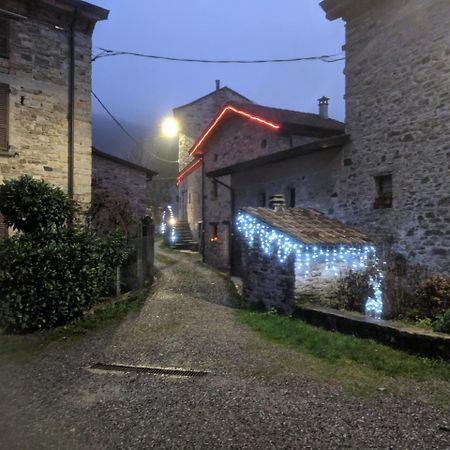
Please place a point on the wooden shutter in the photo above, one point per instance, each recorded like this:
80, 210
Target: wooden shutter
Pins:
4, 37
4, 116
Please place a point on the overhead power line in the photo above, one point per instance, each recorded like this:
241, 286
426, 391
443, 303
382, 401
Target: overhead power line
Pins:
136, 141
106, 53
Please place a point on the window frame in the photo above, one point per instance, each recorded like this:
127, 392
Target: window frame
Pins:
384, 198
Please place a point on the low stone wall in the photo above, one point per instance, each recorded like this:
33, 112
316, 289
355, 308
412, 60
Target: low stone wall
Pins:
413, 340
267, 283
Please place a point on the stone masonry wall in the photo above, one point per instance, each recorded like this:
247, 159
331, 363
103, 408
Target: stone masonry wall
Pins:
266, 282
121, 181
37, 72
237, 140
398, 115
193, 120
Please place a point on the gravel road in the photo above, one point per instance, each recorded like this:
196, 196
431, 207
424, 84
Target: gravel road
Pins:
249, 401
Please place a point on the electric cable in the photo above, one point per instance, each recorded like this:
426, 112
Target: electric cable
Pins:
105, 53
136, 141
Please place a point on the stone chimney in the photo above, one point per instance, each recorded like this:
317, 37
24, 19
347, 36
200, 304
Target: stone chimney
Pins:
277, 202
323, 107
217, 85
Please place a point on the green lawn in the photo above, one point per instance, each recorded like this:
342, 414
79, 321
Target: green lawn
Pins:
358, 366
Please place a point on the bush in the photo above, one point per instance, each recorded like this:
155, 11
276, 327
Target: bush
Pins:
51, 274
354, 289
442, 325
432, 297
31, 205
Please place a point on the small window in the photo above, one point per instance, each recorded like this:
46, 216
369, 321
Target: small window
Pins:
4, 38
189, 197
214, 189
292, 197
384, 192
214, 232
261, 199
4, 119
264, 143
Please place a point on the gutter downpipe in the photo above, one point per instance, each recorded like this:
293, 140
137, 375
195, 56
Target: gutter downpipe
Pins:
231, 237
203, 209
71, 108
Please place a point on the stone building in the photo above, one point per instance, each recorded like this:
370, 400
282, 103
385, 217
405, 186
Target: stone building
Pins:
193, 118
120, 191
395, 179
251, 152
45, 92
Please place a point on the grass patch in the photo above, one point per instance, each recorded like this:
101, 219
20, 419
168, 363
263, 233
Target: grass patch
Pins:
22, 348
355, 354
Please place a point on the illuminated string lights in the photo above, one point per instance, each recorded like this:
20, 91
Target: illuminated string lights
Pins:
168, 223
196, 148
333, 259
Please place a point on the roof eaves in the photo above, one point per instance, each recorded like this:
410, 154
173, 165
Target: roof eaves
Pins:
225, 88
335, 142
123, 162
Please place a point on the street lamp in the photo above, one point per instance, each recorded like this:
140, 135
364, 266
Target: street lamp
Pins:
169, 127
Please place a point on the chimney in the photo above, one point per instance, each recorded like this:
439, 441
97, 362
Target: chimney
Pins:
323, 107
277, 202
217, 85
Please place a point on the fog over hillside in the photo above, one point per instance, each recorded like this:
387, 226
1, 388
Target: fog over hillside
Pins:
109, 138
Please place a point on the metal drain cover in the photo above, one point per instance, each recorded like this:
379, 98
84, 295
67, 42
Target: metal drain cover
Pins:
154, 370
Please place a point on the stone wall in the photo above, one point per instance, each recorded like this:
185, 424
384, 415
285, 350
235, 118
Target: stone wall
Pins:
398, 116
37, 73
120, 181
266, 282
240, 140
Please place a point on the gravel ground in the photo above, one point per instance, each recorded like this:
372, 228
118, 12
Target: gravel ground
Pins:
54, 402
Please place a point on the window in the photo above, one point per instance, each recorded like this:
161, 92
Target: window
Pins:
189, 197
214, 189
292, 197
264, 143
261, 199
214, 232
384, 192
4, 38
4, 98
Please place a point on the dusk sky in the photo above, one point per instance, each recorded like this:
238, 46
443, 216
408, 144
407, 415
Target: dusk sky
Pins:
142, 91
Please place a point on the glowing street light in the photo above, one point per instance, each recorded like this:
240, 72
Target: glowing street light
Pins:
169, 127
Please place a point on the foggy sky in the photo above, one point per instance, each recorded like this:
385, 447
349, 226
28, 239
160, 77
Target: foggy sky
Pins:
142, 91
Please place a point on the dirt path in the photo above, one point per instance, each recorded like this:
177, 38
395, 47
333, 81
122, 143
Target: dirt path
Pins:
250, 399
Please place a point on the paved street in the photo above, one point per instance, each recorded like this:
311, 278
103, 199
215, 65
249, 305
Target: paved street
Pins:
250, 400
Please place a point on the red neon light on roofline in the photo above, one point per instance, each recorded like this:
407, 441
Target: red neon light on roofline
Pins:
262, 121
187, 171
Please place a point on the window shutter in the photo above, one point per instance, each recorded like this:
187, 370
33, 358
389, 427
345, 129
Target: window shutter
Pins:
4, 37
4, 96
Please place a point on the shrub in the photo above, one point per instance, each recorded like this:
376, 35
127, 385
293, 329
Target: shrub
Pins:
51, 273
354, 289
432, 297
442, 325
31, 205
399, 286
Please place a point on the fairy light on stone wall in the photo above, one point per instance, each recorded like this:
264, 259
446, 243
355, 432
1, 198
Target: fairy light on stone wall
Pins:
168, 222
334, 258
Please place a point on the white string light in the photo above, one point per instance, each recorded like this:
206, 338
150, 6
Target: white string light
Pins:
333, 257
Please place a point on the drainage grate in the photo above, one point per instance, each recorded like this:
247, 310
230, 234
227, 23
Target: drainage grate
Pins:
155, 370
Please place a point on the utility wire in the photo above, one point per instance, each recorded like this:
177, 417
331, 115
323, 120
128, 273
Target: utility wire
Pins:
105, 53
136, 141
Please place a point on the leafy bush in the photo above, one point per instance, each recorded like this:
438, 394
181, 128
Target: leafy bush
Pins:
51, 274
31, 205
442, 324
432, 297
354, 289
400, 283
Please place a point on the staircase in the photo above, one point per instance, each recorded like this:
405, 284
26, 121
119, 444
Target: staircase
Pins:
184, 239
